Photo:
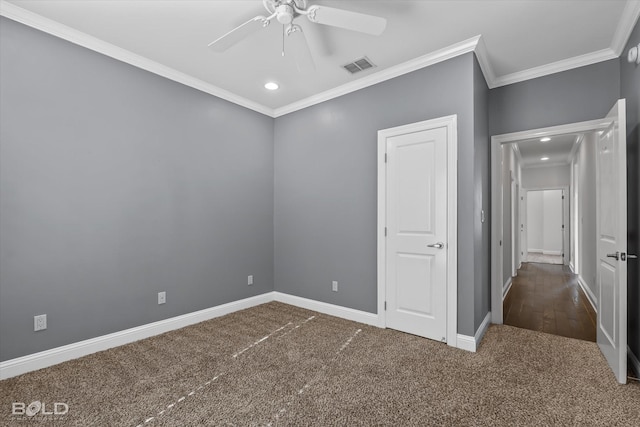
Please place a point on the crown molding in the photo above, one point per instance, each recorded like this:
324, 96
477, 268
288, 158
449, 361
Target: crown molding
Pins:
628, 20
440, 55
485, 65
79, 38
475, 44
556, 67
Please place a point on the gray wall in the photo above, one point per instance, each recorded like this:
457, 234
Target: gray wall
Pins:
546, 177
630, 89
116, 184
326, 185
482, 196
585, 93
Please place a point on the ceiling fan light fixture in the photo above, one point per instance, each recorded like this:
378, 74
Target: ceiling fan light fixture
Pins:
271, 86
544, 158
545, 139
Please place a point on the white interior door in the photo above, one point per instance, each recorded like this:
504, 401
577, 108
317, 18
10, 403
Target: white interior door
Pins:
416, 290
611, 226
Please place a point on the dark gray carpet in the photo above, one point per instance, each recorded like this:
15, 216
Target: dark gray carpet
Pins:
293, 369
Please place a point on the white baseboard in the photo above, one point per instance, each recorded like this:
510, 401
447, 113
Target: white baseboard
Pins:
471, 344
552, 252
537, 251
635, 363
572, 268
330, 309
43, 359
590, 296
465, 342
506, 287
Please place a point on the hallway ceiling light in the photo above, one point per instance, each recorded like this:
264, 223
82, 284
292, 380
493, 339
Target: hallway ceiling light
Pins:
544, 158
545, 139
271, 86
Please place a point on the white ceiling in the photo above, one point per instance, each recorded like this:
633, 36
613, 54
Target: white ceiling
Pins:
520, 39
560, 150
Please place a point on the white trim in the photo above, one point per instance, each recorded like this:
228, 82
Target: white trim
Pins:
432, 58
468, 343
496, 197
628, 20
465, 342
451, 123
587, 291
326, 308
506, 287
474, 44
556, 67
482, 56
578, 127
43, 359
72, 35
635, 363
552, 252
571, 267
535, 251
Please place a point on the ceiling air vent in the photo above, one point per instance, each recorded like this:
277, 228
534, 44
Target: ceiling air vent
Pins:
358, 65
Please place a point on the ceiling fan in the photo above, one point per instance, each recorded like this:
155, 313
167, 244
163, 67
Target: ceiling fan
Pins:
286, 11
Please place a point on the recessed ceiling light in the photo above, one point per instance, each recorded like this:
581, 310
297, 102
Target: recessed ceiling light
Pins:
544, 158
271, 86
545, 139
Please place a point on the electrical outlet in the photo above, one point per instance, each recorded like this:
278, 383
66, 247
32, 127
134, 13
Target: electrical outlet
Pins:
162, 297
334, 286
40, 322
250, 280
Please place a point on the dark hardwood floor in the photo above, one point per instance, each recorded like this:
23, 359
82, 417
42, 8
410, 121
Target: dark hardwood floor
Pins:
547, 298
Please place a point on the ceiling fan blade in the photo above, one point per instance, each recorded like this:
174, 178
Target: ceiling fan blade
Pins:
239, 33
300, 49
354, 21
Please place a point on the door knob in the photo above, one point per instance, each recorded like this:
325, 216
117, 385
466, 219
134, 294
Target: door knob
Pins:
616, 256
438, 245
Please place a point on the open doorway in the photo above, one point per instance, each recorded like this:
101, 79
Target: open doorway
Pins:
545, 221
542, 292
609, 191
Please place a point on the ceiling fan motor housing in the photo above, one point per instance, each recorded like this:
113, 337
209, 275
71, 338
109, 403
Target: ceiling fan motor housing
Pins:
284, 14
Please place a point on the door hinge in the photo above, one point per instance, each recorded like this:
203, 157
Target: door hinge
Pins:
385, 231
563, 197
563, 226
385, 306
385, 157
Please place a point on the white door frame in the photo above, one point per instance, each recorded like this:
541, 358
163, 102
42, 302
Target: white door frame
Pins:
450, 122
514, 227
497, 198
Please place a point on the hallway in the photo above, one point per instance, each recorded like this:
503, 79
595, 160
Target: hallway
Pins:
548, 298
